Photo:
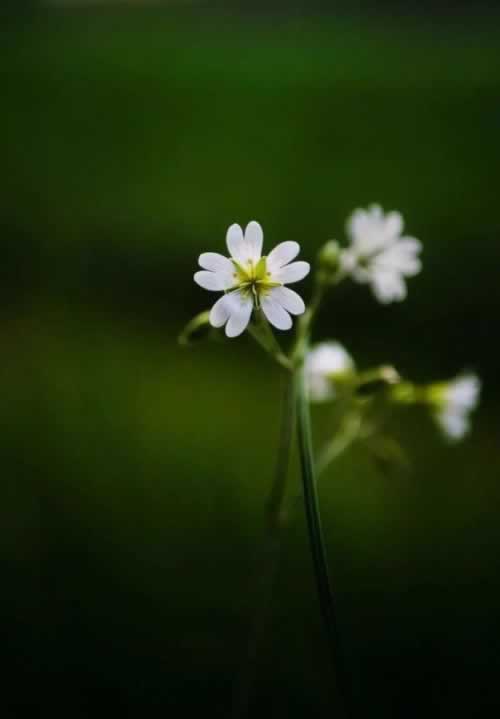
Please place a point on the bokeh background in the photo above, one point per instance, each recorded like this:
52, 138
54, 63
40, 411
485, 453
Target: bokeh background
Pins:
134, 473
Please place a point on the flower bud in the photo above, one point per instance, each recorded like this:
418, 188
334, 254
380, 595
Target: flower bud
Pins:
328, 261
371, 381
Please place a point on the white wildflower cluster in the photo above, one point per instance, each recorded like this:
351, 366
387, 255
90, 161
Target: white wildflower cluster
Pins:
255, 296
378, 254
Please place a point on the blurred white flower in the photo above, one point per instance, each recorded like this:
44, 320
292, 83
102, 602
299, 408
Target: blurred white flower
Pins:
378, 255
326, 364
250, 280
453, 402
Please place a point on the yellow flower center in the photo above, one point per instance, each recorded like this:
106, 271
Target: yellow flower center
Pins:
253, 278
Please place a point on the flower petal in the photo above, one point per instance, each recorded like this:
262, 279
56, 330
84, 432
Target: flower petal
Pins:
375, 211
292, 273
356, 223
212, 281
220, 312
275, 313
348, 260
241, 310
238, 248
401, 257
394, 224
454, 424
320, 388
282, 254
215, 262
287, 298
464, 392
254, 238
363, 223
388, 286
324, 362
329, 358
369, 230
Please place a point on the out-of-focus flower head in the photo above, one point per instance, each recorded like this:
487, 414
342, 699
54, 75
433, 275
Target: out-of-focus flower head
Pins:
453, 402
327, 364
378, 254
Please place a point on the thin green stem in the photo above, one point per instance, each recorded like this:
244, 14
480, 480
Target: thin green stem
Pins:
305, 323
331, 452
275, 507
323, 581
264, 336
342, 440
276, 519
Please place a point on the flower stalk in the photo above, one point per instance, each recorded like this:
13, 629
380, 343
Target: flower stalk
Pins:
318, 549
264, 336
276, 518
256, 296
340, 442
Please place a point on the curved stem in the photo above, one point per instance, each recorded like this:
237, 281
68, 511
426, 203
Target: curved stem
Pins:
304, 325
269, 562
263, 335
323, 581
338, 444
331, 452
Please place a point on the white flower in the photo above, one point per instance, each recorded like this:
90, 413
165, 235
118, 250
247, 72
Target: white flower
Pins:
453, 403
251, 280
378, 255
325, 363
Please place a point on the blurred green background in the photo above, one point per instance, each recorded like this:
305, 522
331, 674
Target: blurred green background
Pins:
135, 473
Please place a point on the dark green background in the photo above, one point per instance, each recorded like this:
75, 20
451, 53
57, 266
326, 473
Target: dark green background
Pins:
135, 474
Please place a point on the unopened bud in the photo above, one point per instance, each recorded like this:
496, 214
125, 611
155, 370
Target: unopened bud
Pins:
329, 258
371, 381
389, 375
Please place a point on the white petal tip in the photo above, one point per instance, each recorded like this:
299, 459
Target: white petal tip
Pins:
232, 332
211, 281
253, 226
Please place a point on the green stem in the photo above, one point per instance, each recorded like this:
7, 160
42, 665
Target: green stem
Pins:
269, 562
264, 336
331, 452
323, 581
277, 496
305, 323
342, 440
